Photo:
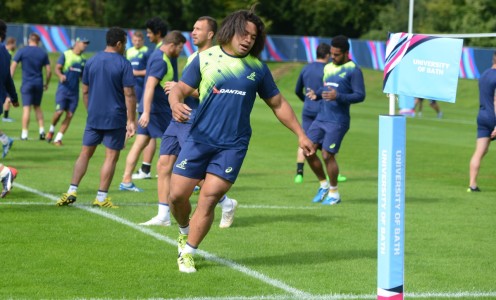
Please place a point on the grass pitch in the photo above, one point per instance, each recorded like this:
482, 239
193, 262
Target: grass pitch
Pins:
281, 246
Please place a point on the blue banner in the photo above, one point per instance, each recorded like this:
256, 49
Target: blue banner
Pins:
391, 207
422, 66
406, 105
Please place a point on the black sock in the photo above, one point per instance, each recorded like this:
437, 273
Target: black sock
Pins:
299, 168
146, 167
6, 114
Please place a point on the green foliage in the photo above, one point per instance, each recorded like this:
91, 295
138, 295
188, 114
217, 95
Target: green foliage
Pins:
364, 19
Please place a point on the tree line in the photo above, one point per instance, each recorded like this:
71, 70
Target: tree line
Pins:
359, 19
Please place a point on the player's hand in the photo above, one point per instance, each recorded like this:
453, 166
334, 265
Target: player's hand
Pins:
181, 112
307, 145
130, 129
144, 120
311, 94
45, 87
15, 103
330, 94
62, 78
168, 86
493, 134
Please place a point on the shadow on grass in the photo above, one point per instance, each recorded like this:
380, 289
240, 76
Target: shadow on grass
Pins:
294, 219
309, 257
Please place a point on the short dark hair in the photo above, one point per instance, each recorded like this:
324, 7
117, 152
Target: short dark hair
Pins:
212, 23
235, 23
3, 30
323, 50
114, 35
341, 42
174, 37
33, 36
156, 25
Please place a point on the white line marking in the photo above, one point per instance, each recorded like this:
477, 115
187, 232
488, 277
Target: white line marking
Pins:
252, 273
154, 204
341, 296
296, 294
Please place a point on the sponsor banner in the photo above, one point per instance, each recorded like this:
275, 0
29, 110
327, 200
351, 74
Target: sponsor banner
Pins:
391, 205
406, 105
420, 66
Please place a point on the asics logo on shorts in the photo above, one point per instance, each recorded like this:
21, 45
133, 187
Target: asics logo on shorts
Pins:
182, 165
332, 146
229, 170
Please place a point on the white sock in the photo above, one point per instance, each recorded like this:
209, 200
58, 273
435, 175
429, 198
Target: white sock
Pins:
52, 128
72, 189
100, 196
4, 172
324, 184
333, 192
4, 139
58, 137
184, 230
189, 249
226, 203
24, 134
163, 211
42, 130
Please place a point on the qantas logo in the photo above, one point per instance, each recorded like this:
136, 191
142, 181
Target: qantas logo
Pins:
73, 69
228, 91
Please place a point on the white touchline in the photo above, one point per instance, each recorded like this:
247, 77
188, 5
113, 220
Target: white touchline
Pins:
298, 294
252, 273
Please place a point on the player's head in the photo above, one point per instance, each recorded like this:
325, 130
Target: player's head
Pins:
243, 32
116, 38
323, 51
3, 30
174, 40
138, 39
81, 44
204, 31
339, 50
156, 29
34, 38
10, 43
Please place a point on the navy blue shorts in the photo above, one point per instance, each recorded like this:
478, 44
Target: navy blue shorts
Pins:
306, 121
174, 138
196, 160
327, 134
484, 127
31, 94
111, 138
66, 102
156, 127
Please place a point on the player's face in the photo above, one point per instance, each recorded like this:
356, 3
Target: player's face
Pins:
200, 33
83, 46
241, 44
338, 56
177, 50
137, 42
154, 38
121, 47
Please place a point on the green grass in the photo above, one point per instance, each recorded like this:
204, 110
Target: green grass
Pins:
281, 245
